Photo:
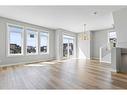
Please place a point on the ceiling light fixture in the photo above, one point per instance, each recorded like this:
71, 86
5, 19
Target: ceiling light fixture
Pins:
95, 13
84, 35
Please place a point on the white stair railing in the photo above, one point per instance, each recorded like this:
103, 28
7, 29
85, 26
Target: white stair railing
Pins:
104, 50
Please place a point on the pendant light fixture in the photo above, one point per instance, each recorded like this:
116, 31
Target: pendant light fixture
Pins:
83, 35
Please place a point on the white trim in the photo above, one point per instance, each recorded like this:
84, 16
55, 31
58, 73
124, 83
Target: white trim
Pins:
113, 70
100, 54
32, 29
88, 58
105, 62
8, 40
96, 58
36, 31
74, 45
30, 62
109, 37
42, 31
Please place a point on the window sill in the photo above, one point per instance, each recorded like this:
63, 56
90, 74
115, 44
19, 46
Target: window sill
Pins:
15, 55
30, 54
44, 53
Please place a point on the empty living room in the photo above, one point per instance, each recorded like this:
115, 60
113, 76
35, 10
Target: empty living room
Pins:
63, 47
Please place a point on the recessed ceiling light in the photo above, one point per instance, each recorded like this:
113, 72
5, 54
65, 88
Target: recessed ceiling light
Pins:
95, 13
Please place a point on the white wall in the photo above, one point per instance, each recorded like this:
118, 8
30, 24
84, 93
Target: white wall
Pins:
55, 44
83, 47
59, 42
120, 21
4, 60
100, 38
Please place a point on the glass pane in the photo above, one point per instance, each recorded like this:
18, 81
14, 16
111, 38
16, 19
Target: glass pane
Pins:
65, 47
43, 42
112, 39
112, 34
68, 46
15, 39
71, 47
31, 41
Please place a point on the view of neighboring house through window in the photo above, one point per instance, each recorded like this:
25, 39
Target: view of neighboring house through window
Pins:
15, 45
65, 47
44, 42
16, 42
112, 38
71, 47
68, 46
32, 40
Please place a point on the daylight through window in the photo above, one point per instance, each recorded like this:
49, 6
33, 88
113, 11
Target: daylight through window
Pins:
15, 40
32, 42
44, 42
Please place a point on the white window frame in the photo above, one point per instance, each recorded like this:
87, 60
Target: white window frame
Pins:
108, 35
74, 45
35, 30
8, 40
40, 42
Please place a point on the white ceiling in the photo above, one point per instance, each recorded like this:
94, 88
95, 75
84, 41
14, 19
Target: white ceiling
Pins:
67, 17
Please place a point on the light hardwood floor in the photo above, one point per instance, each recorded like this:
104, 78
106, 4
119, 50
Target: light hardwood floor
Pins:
69, 74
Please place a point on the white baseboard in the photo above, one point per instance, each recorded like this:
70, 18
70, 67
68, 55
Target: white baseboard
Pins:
22, 63
113, 70
96, 58
105, 62
81, 58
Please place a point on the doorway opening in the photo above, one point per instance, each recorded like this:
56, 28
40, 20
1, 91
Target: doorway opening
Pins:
68, 46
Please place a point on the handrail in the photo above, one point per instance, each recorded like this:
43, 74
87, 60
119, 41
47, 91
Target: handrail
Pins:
104, 50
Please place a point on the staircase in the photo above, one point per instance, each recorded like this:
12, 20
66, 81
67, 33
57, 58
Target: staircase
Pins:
105, 53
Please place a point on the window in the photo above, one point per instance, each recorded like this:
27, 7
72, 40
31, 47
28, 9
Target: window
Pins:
32, 41
15, 40
112, 34
68, 46
112, 38
44, 42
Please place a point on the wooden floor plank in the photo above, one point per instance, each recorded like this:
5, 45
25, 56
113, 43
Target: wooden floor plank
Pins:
67, 74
